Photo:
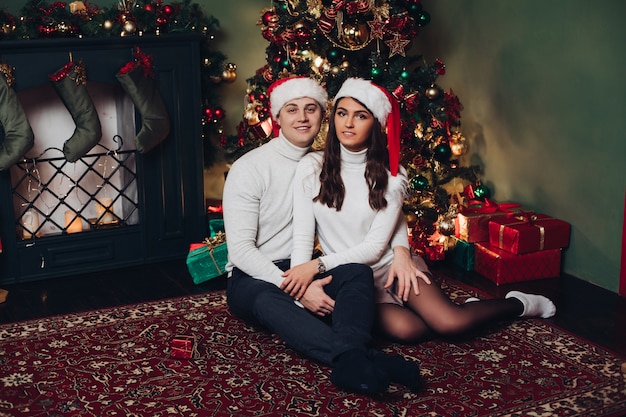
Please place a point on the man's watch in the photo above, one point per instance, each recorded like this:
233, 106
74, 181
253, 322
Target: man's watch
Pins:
321, 268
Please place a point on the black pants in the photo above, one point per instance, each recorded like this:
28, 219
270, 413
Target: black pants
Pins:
262, 303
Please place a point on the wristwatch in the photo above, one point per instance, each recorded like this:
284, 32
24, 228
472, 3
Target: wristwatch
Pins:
321, 268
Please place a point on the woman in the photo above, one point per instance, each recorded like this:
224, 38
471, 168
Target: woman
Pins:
351, 196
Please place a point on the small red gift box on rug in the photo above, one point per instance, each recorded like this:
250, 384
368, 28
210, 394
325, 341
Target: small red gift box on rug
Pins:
184, 347
528, 233
504, 267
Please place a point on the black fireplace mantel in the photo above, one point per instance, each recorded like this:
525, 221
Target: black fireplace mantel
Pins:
169, 177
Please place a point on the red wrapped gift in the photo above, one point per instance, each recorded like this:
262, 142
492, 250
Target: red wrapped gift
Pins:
474, 227
184, 347
528, 233
472, 222
504, 267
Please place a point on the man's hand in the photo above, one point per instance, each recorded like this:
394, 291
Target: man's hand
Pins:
315, 298
298, 279
406, 272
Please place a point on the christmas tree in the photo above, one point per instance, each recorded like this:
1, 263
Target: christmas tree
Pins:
331, 40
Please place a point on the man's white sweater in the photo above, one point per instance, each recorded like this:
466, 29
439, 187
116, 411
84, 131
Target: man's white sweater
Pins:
258, 209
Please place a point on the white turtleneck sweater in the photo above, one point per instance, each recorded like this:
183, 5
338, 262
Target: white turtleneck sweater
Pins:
258, 208
356, 233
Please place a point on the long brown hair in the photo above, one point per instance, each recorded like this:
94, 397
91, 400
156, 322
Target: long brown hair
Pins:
332, 190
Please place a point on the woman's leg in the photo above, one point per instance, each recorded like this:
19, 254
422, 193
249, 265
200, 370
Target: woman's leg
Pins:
433, 313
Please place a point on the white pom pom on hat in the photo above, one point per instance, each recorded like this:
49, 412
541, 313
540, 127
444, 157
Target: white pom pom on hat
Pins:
383, 106
286, 89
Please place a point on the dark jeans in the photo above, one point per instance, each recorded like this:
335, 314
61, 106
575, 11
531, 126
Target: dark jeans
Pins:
262, 303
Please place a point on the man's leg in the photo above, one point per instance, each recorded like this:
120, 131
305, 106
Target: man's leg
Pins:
343, 346
262, 303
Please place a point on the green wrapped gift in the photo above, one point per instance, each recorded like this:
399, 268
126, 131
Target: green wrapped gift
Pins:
216, 226
208, 259
464, 254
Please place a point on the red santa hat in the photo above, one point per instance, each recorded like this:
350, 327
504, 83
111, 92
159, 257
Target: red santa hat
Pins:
383, 106
286, 89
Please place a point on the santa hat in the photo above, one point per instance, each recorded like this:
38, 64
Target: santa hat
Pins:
287, 89
383, 106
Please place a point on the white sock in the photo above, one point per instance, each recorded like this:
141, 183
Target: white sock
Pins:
534, 305
472, 299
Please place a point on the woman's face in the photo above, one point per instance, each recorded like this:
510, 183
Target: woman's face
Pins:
300, 121
353, 124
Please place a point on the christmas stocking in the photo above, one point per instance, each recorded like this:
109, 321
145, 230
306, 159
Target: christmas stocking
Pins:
69, 83
18, 135
137, 79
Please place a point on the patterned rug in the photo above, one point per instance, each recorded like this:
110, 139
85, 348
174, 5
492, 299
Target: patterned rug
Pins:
118, 362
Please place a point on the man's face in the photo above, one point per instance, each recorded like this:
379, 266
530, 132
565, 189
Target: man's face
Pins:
300, 121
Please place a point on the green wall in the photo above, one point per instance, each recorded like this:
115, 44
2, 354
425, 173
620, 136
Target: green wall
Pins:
544, 97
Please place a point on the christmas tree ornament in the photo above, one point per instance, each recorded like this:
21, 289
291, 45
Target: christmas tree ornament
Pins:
18, 135
137, 80
442, 152
446, 226
419, 183
229, 74
458, 148
70, 82
432, 92
482, 192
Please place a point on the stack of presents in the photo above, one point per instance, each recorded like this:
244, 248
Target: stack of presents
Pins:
507, 243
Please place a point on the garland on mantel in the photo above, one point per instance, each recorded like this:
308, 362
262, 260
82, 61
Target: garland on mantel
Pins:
39, 19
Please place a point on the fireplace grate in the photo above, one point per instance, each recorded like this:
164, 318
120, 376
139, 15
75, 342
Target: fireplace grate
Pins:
52, 196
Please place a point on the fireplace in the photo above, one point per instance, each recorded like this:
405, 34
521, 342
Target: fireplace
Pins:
114, 207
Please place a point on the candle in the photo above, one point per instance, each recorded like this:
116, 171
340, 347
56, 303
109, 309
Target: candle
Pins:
105, 211
30, 222
73, 223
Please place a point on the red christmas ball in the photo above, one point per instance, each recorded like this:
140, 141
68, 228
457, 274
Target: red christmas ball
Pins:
148, 7
208, 113
167, 9
219, 113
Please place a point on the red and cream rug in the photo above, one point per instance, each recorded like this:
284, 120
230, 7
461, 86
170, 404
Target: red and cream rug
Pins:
118, 362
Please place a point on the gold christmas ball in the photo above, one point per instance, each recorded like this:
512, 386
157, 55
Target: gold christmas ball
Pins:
107, 25
458, 148
229, 76
355, 35
432, 92
129, 27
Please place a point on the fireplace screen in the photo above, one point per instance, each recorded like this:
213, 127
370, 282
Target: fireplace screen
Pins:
52, 196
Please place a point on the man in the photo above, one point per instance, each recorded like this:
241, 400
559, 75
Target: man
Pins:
258, 206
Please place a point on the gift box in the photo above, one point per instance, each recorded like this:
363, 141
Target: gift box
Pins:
463, 254
473, 227
528, 233
472, 222
216, 226
208, 259
503, 267
185, 347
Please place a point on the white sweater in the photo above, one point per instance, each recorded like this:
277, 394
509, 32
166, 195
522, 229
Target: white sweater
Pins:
257, 202
356, 233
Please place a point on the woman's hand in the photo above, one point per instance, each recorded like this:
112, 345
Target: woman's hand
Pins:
298, 278
406, 272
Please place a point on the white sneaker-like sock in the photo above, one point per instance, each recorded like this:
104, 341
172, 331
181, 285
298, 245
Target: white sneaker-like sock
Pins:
534, 305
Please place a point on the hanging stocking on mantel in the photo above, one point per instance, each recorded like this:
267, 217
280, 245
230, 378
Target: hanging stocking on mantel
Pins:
137, 79
18, 135
69, 83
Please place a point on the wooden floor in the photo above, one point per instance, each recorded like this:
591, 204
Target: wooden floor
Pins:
589, 311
